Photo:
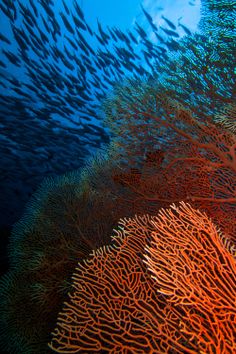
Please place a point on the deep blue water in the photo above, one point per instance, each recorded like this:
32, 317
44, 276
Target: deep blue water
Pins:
56, 67
59, 62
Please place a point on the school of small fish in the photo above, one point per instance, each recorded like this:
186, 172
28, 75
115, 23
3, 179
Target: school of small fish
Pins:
55, 71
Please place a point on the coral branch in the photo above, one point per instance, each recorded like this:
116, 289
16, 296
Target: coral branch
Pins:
187, 307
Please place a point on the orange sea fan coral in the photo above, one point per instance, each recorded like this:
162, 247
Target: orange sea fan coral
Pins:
192, 266
56, 231
189, 306
196, 158
106, 311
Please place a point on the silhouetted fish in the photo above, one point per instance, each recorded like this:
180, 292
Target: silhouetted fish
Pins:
34, 7
65, 7
78, 10
67, 23
104, 35
79, 23
169, 32
4, 39
186, 30
11, 57
140, 31
2, 64
61, 71
169, 23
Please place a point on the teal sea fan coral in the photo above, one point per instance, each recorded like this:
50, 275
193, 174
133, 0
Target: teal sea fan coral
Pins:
178, 114
56, 231
165, 147
192, 157
43, 252
218, 21
201, 74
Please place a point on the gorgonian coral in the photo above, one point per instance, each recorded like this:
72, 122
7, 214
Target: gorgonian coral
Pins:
187, 306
